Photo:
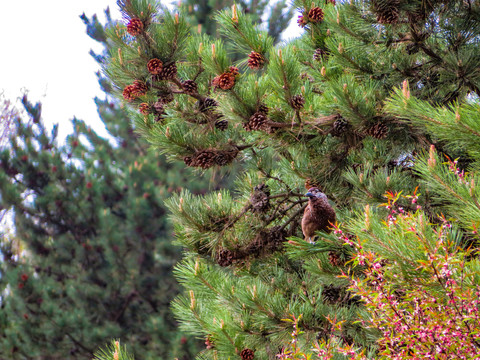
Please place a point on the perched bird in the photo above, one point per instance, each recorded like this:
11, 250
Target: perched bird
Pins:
318, 215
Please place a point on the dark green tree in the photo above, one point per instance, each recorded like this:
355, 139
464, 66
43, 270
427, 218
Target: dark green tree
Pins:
97, 256
324, 110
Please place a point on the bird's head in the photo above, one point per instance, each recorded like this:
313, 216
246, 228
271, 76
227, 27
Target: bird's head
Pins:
315, 193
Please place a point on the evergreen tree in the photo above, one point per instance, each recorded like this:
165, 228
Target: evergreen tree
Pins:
202, 14
97, 254
310, 113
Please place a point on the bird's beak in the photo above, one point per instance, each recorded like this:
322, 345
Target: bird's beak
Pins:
309, 194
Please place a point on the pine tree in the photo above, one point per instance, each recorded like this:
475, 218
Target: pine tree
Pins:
315, 112
96, 253
202, 13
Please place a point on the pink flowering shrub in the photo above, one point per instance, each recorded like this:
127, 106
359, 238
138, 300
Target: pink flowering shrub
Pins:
427, 308
421, 290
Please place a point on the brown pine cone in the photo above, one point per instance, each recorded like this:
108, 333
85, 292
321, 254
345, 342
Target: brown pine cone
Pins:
256, 122
158, 110
247, 354
129, 93
169, 71
204, 159
206, 104
315, 14
189, 86
221, 124
259, 199
154, 66
225, 257
255, 60
144, 108
339, 127
188, 160
139, 88
297, 102
233, 70
332, 294
378, 131
135, 27
223, 158
387, 11
225, 81
388, 16
333, 258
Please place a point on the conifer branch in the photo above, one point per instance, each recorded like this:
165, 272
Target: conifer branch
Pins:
296, 214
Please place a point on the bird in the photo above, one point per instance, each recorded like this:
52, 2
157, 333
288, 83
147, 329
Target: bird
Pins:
318, 215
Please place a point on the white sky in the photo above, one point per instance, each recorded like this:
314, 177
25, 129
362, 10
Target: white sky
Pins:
45, 50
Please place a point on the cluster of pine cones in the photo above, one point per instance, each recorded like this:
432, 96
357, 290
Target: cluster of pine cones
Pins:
210, 157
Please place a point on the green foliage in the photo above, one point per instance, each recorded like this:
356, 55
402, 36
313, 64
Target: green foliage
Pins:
321, 110
113, 352
96, 256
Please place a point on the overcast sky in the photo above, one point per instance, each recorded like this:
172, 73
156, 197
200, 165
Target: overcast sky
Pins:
45, 51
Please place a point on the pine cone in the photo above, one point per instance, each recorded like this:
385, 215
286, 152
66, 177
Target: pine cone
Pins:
255, 60
206, 104
333, 258
168, 71
387, 11
225, 257
189, 86
331, 294
297, 102
259, 199
223, 158
340, 126
378, 131
221, 124
262, 108
188, 160
154, 66
319, 54
204, 159
144, 108
301, 21
388, 16
135, 27
233, 70
255, 122
158, 110
129, 93
315, 15
247, 354
139, 88
225, 81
